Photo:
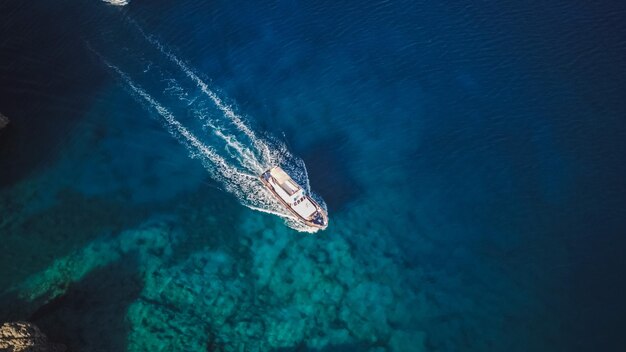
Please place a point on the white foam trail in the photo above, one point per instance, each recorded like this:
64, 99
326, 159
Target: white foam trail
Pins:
226, 110
242, 179
261, 147
283, 215
223, 169
243, 154
246, 187
247, 157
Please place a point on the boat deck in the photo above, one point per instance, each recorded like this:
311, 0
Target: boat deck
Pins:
306, 209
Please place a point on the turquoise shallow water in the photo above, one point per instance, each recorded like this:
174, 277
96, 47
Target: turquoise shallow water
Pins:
470, 157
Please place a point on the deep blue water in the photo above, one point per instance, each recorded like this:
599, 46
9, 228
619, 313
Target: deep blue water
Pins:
470, 154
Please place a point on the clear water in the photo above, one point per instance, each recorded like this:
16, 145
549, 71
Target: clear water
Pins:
470, 156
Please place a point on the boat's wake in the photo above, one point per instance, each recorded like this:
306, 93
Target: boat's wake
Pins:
226, 145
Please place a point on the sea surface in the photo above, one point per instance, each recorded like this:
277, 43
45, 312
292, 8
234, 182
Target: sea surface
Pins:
471, 156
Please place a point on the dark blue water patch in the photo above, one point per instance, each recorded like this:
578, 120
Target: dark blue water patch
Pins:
327, 166
103, 295
210, 217
33, 241
570, 42
48, 81
597, 288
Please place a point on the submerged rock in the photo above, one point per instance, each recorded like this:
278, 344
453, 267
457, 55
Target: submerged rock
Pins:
4, 121
273, 290
288, 292
25, 337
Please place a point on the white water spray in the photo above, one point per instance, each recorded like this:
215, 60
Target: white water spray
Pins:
238, 171
241, 181
221, 105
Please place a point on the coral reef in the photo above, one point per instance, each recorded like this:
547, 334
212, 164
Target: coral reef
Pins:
291, 292
274, 289
259, 286
148, 243
246, 282
25, 337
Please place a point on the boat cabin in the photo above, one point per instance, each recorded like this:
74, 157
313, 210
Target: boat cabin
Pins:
291, 193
